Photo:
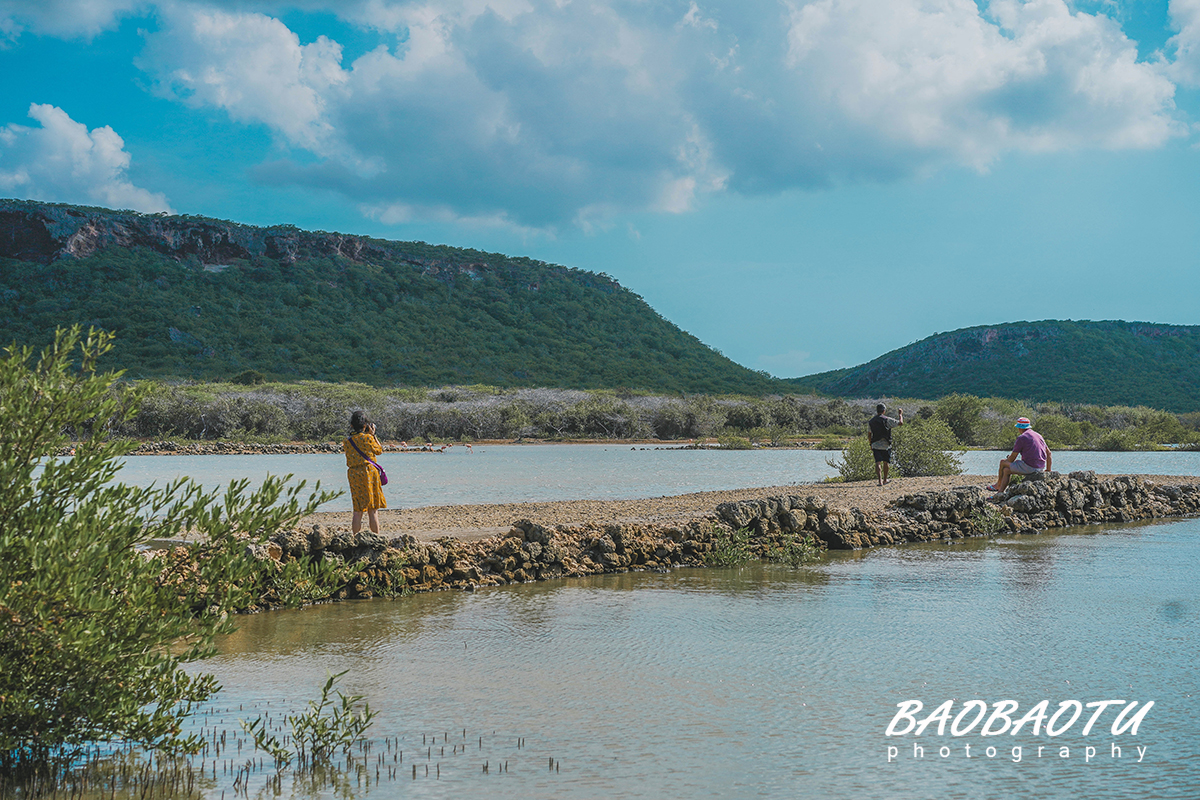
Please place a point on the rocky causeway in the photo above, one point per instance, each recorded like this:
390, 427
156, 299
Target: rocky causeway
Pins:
467, 547
472, 522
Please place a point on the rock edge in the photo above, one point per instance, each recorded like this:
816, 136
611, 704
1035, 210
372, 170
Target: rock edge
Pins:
532, 552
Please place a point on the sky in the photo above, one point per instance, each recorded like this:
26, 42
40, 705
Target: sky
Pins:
802, 184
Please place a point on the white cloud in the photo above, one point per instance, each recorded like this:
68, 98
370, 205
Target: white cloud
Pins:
936, 80
490, 110
64, 162
694, 18
1185, 16
545, 112
251, 66
68, 18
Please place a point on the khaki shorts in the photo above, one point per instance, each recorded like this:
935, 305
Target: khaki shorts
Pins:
1019, 467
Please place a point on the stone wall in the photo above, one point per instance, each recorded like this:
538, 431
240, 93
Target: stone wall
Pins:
530, 552
527, 552
1039, 502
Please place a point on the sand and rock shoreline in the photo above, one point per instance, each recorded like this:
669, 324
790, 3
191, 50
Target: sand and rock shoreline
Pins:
473, 522
469, 547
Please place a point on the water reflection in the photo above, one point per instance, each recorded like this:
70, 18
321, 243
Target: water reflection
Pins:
763, 681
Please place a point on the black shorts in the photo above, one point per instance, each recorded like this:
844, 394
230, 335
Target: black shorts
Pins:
882, 455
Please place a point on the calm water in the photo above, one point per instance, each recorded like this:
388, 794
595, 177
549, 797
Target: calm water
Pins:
763, 682
501, 474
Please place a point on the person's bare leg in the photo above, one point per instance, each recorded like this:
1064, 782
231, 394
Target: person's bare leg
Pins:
879, 472
1008, 473
885, 471
356, 522
373, 520
1004, 475
1000, 474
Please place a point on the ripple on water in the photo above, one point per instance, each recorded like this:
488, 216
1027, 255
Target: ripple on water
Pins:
763, 681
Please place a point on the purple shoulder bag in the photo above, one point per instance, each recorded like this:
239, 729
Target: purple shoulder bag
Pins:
382, 474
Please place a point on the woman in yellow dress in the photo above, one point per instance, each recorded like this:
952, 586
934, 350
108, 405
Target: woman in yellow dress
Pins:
365, 488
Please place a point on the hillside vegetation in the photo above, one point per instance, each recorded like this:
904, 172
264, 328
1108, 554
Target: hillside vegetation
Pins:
1110, 363
204, 299
190, 297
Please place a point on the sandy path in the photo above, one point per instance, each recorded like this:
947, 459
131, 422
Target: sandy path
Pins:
470, 522
477, 521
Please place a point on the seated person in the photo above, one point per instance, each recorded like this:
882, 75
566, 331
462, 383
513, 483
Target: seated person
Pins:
1030, 454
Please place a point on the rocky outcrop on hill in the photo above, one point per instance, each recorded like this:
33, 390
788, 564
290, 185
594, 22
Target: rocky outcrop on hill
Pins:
41, 233
44, 232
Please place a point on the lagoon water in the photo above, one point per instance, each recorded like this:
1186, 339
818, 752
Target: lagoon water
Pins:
513, 473
768, 682
752, 682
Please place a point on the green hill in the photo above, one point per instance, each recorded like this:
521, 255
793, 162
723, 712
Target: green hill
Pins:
191, 297
1107, 363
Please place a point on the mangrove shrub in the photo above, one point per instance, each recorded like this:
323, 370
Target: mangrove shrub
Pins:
91, 641
920, 448
857, 462
926, 447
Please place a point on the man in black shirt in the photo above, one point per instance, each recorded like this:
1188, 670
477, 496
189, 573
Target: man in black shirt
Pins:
879, 434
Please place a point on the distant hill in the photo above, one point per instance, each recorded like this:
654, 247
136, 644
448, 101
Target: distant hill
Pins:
191, 297
1107, 363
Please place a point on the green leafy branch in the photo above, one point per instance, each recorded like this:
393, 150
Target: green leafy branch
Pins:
328, 727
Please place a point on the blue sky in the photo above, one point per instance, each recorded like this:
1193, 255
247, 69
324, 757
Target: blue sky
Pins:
803, 185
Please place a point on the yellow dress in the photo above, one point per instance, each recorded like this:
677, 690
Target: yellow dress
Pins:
365, 489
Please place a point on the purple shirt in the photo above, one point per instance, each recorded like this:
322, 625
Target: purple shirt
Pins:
1031, 447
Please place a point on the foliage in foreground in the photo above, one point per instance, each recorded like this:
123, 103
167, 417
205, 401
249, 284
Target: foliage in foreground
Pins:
732, 548
91, 646
289, 582
793, 550
320, 733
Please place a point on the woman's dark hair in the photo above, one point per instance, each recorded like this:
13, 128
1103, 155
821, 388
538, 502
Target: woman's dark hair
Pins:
359, 421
